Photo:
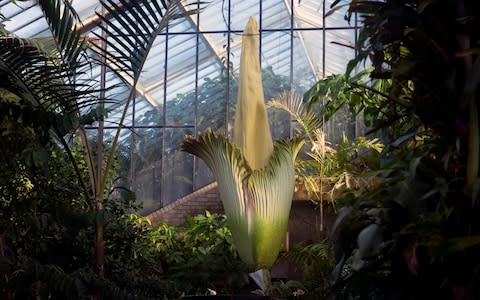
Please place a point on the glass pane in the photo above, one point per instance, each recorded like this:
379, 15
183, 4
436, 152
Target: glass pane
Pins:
115, 111
85, 8
204, 176
275, 14
232, 104
276, 77
181, 80
185, 24
308, 50
276, 52
308, 13
178, 166
306, 68
212, 97
153, 74
214, 17
337, 18
32, 28
241, 11
339, 50
235, 51
148, 114
147, 168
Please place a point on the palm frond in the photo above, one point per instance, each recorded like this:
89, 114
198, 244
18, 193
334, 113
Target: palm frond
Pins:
131, 25
134, 25
293, 104
27, 72
61, 19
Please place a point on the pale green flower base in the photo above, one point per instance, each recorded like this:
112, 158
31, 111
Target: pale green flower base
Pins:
257, 202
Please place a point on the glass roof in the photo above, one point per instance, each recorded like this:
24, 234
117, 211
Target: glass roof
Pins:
25, 20
299, 45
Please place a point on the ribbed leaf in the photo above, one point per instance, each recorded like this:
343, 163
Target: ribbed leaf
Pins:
272, 190
230, 170
257, 203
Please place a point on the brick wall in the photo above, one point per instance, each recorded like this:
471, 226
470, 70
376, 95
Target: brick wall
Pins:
206, 198
303, 224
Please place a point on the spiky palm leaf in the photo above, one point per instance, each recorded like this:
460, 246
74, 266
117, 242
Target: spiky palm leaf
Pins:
132, 27
61, 19
256, 202
293, 104
26, 71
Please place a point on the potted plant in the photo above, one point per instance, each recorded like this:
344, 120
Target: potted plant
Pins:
255, 175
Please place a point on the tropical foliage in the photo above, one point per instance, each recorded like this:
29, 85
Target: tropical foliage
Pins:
415, 233
325, 171
46, 84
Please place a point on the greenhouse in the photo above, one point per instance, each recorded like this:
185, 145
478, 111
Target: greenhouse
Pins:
276, 149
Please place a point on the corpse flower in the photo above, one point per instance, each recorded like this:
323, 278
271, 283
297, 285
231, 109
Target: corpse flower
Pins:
255, 175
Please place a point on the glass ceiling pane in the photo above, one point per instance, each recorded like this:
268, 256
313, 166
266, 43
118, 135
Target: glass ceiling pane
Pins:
85, 8
308, 13
338, 55
215, 16
276, 51
306, 67
275, 14
212, 96
241, 11
18, 18
154, 68
183, 25
35, 28
337, 18
146, 114
181, 87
